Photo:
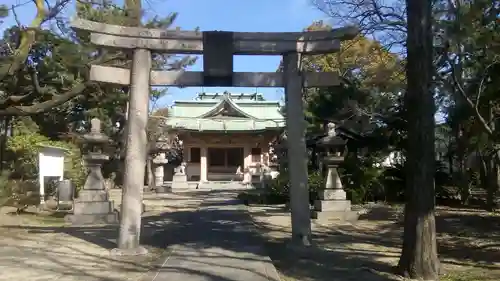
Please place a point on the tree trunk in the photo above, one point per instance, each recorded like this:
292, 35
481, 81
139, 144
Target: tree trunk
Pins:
133, 10
492, 190
497, 175
483, 171
492, 183
314, 159
451, 171
4, 138
464, 185
463, 176
150, 176
419, 256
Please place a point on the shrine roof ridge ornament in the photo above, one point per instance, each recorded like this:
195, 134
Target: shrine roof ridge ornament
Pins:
192, 42
242, 102
214, 101
240, 96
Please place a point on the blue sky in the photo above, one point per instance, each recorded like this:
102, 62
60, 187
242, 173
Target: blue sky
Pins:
256, 15
231, 15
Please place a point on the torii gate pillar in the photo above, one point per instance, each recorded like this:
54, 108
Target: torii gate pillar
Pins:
297, 153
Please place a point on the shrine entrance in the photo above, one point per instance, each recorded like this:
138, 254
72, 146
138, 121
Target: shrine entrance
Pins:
224, 162
218, 49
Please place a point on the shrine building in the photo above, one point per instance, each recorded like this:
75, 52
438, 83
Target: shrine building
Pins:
223, 131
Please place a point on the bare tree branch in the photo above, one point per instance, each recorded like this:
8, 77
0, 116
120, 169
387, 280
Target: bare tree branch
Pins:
15, 104
24, 110
384, 20
469, 101
16, 18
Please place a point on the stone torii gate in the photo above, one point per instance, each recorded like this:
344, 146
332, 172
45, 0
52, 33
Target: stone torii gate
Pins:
218, 49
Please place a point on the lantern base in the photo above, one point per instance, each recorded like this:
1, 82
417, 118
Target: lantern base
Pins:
92, 219
163, 189
326, 216
180, 182
332, 205
334, 210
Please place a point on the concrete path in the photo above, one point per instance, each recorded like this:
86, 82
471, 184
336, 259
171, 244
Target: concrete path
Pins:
216, 242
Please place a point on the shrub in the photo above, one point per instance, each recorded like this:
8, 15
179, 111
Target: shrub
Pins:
4, 189
361, 179
316, 182
23, 154
394, 180
278, 189
20, 194
24, 149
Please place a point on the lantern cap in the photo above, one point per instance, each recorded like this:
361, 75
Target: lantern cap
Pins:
331, 139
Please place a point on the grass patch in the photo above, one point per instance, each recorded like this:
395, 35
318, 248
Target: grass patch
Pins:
47, 219
484, 275
261, 197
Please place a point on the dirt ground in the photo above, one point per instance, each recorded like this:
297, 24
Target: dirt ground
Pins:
38, 247
468, 240
42, 247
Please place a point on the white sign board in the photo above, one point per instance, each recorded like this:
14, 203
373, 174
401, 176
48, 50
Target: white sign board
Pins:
50, 164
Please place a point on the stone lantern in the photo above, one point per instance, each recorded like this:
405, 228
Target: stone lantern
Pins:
282, 152
93, 205
157, 151
273, 166
332, 203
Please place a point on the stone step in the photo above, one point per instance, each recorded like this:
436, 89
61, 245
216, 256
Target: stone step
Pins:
335, 215
91, 219
93, 195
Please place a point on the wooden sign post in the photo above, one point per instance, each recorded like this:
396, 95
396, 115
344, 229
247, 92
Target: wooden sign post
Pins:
218, 49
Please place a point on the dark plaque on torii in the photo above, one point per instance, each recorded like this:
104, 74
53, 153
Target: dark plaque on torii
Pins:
218, 50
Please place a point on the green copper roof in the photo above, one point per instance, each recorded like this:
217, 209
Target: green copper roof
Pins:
224, 125
226, 112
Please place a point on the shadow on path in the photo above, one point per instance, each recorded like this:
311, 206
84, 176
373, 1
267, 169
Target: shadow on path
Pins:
217, 241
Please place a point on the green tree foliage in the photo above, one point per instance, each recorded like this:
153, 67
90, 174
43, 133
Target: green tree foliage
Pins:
368, 101
52, 68
19, 181
466, 58
44, 73
465, 87
467, 61
372, 80
361, 59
